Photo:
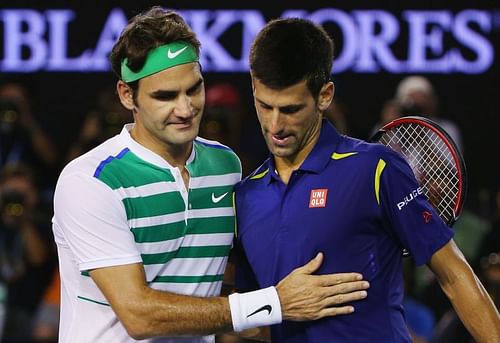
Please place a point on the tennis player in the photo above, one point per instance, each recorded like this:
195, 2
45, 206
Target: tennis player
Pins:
358, 203
144, 222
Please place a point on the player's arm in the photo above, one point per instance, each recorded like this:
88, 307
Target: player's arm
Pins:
145, 312
468, 296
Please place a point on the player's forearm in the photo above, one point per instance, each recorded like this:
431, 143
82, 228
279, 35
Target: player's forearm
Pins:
469, 298
168, 314
145, 312
475, 308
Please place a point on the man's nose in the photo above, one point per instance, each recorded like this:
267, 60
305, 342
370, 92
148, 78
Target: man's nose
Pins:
276, 122
183, 106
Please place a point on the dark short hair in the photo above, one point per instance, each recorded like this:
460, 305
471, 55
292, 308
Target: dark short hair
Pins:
146, 31
288, 51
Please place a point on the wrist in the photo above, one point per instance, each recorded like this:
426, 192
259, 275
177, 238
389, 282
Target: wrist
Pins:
254, 309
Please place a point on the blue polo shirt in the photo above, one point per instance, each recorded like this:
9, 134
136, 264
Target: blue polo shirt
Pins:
359, 204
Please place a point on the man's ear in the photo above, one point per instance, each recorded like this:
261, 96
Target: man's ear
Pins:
253, 83
126, 95
325, 96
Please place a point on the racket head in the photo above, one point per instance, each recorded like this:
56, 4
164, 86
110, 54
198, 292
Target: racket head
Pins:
434, 158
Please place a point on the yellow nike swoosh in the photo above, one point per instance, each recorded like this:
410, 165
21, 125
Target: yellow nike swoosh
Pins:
337, 156
260, 175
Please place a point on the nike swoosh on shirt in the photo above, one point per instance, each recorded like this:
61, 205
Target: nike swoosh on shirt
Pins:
337, 156
174, 54
219, 198
267, 308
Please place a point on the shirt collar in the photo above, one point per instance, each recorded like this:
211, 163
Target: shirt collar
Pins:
144, 153
319, 156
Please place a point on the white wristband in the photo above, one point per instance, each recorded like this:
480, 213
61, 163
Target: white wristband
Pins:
253, 309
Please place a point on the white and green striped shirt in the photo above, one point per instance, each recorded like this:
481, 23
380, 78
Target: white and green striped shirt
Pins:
121, 203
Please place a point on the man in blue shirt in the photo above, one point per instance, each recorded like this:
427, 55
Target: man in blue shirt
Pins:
357, 203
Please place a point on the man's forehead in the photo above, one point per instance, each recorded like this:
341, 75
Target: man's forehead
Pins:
173, 79
293, 95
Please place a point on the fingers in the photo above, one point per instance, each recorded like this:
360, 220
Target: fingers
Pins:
307, 296
311, 266
341, 295
334, 311
347, 287
338, 278
344, 298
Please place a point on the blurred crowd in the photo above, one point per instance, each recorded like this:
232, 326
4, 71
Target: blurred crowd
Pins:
30, 161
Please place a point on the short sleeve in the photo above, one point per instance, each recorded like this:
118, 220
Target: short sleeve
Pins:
409, 213
91, 220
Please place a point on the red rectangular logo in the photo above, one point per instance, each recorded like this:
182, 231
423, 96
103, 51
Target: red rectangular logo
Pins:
318, 198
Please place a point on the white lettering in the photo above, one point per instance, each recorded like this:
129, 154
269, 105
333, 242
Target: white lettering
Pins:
317, 194
378, 30
426, 32
408, 198
345, 59
472, 40
210, 25
114, 25
58, 43
438, 41
318, 202
16, 38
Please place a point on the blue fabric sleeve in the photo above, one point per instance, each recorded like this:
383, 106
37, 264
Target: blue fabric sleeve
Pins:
410, 215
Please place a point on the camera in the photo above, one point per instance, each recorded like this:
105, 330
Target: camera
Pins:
12, 203
9, 116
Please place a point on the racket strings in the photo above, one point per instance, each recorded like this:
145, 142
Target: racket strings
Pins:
432, 163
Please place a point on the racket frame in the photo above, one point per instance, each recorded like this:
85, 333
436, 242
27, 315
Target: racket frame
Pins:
452, 147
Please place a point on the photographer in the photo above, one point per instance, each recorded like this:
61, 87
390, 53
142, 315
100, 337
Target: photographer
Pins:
101, 123
26, 252
22, 138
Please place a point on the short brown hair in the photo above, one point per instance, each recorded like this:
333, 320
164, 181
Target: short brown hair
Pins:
146, 31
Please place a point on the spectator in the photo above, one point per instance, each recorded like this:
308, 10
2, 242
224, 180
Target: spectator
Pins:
26, 252
390, 111
22, 138
105, 121
416, 96
46, 323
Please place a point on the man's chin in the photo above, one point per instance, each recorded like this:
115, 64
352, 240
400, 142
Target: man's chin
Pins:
181, 138
280, 151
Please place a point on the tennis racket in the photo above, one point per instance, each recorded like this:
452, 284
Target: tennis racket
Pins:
435, 160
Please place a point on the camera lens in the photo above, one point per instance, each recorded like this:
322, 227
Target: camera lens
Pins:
9, 116
12, 203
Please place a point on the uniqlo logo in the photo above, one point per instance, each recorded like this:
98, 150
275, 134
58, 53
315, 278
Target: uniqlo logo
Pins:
318, 198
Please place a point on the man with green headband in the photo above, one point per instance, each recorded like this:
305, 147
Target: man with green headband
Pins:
144, 222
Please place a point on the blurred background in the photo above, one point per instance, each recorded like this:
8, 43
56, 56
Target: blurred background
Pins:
439, 59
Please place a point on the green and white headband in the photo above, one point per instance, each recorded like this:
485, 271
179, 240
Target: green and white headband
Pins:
161, 58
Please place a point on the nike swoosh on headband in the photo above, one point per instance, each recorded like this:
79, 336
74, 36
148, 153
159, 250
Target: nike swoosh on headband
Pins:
172, 55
